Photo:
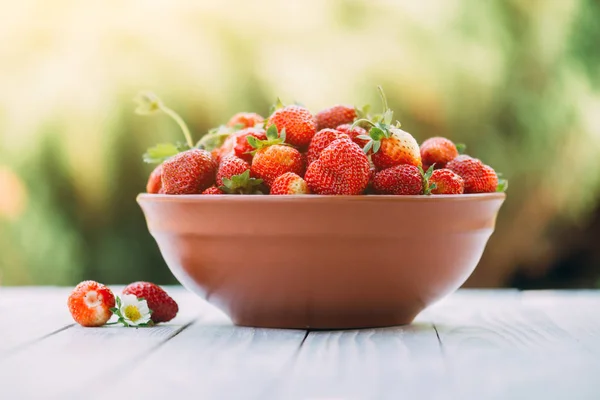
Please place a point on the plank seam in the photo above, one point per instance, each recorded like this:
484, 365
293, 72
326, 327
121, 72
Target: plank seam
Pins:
23, 346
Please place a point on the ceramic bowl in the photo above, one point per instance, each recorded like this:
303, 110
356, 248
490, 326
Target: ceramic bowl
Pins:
321, 262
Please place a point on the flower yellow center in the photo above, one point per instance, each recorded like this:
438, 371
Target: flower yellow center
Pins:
132, 313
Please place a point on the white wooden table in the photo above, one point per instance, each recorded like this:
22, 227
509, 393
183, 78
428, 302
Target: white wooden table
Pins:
473, 345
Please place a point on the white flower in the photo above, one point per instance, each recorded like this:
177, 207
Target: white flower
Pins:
133, 311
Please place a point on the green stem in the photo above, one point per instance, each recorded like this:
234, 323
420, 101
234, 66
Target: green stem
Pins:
180, 122
358, 121
383, 98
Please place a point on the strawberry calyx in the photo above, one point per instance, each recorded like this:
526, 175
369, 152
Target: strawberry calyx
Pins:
273, 137
242, 184
426, 176
380, 125
502, 183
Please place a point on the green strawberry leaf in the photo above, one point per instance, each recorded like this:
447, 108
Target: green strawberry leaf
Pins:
278, 104
282, 135
426, 175
160, 152
376, 145
215, 137
377, 133
461, 147
388, 115
364, 137
241, 184
272, 132
502, 185
363, 112
254, 142
368, 147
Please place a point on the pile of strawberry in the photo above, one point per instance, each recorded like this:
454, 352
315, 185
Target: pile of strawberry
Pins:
339, 151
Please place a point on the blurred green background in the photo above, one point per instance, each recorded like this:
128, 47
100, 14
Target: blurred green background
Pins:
518, 81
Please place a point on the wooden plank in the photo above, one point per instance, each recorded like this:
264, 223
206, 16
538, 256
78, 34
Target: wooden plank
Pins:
497, 347
576, 312
30, 314
67, 363
387, 363
212, 359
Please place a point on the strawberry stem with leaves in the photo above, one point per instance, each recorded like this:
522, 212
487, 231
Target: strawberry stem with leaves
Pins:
380, 126
149, 103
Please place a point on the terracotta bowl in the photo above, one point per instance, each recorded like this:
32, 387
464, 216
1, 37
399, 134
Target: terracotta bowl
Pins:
321, 262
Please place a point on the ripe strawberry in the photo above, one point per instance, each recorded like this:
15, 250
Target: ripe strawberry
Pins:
245, 120
354, 133
335, 116
320, 141
289, 183
298, 122
188, 172
478, 177
230, 166
397, 148
438, 151
403, 179
163, 307
213, 190
390, 144
370, 189
242, 147
446, 182
154, 181
90, 303
341, 169
273, 158
304, 162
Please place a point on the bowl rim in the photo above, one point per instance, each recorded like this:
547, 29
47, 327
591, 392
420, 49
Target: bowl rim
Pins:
194, 198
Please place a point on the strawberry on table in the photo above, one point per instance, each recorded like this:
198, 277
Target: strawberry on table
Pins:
478, 177
298, 122
341, 169
273, 158
163, 307
335, 116
154, 184
189, 172
438, 151
245, 120
289, 183
403, 179
90, 303
446, 182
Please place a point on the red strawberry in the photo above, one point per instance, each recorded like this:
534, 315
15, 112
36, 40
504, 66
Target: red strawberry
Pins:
163, 307
398, 148
438, 151
245, 120
401, 179
154, 181
478, 177
304, 162
273, 158
289, 183
446, 182
230, 166
354, 133
90, 303
335, 116
213, 190
188, 172
320, 141
226, 149
242, 147
370, 189
298, 122
342, 168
